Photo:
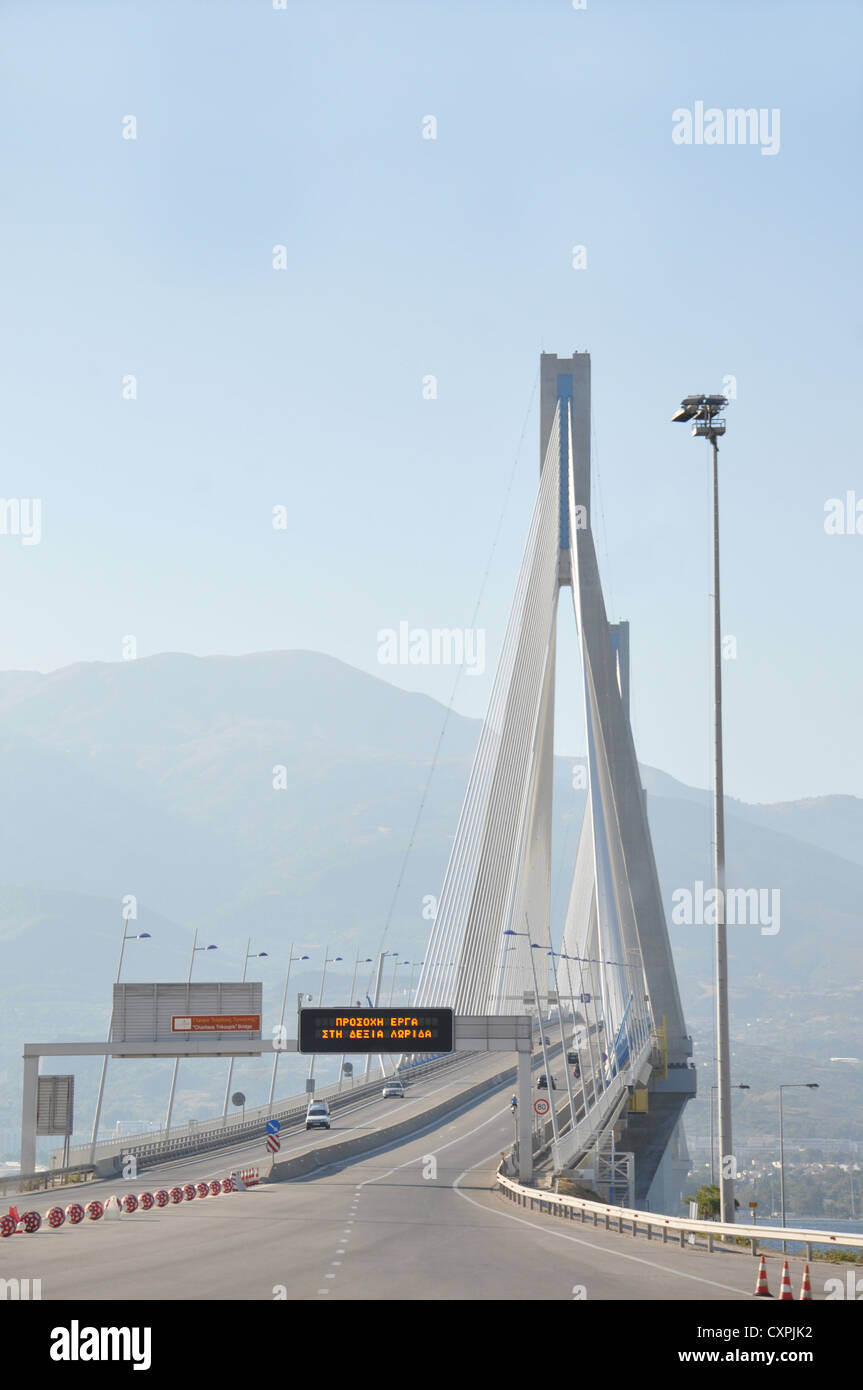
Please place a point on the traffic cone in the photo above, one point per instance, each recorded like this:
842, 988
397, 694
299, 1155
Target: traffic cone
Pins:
805, 1287
761, 1289
785, 1286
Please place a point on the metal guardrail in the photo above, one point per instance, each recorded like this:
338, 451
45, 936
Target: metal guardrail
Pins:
655, 1222
49, 1177
218, 1135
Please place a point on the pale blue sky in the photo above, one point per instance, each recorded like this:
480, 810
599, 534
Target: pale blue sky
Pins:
408, 256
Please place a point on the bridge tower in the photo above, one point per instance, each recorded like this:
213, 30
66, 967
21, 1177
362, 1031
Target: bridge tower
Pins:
490, 944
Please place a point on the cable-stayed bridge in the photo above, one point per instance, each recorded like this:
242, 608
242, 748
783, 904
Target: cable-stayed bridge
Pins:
490, 947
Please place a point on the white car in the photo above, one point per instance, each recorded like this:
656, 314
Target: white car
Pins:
318, 1115
394, 1088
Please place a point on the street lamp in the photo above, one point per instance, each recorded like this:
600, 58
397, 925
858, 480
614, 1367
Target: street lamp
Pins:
277, 1051
741, 1086
787, 1086
403, 963
250, 955
704, 413
569, 1093
395, 956
366, 960
378, 976
328, 960
127, 936
415, 965
534, 946
195, 949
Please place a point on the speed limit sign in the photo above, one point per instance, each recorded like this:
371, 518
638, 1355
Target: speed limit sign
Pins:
541, 1106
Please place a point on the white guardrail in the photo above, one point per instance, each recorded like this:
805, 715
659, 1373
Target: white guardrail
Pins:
657, 1226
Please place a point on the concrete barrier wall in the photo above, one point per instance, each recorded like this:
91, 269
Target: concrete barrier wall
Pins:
313, 1159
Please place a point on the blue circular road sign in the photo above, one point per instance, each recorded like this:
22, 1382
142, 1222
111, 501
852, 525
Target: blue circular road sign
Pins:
273, 1126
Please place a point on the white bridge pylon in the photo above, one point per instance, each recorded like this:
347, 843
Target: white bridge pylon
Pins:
615, 958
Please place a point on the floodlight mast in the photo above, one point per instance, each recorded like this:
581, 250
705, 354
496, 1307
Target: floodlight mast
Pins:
705, 414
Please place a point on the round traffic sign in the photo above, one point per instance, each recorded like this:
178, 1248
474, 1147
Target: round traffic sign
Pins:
238, 1098
541, 1106
273, 1126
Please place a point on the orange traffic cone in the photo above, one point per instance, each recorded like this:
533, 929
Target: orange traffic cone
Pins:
805, 1287
785, 1286
761, 1289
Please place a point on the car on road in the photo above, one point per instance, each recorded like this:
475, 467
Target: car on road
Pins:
572, 1057
394, 1088
543, 1082
318, 1115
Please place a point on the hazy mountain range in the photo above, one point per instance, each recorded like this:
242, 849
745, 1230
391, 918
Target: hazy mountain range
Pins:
155, 778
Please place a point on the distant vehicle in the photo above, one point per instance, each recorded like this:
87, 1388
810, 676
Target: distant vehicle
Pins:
572, 1057
543, 1081
394, 1088
318, 1115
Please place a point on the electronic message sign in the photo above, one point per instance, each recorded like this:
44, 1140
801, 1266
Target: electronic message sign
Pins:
376, 1030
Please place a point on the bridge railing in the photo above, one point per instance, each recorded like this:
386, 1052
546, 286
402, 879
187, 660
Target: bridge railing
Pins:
656, 1225
606, 1106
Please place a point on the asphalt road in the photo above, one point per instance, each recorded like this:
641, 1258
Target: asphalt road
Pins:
419, 1220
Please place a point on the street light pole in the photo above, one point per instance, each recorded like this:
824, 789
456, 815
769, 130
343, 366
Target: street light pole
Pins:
328, 960
278, 1051
195, 949
742, 1086
133, 936
250, 955
367, 960
548, 1077
569, 1090
704, 412
787, 1086
378, 976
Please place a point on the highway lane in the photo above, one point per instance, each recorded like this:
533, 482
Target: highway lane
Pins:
349, 1119
417, 1220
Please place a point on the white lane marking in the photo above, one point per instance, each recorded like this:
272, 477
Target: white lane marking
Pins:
535, 1226
421, 1159
336, 1262
601, 1249
323, 1290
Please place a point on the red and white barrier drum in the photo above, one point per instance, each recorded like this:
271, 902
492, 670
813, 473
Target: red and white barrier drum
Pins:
75, 1213
228, 1184
203, 1189
30, 1222
55, 1216
215, 1188
129, 1203
94, 1210
8, 1226
146, 1201
189, 1192
162, 1197
176, 1195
